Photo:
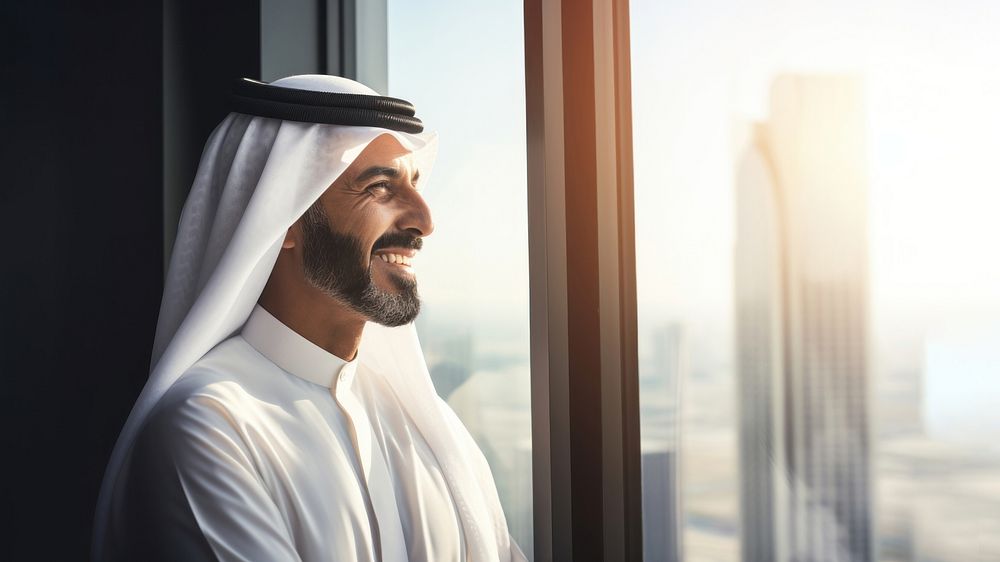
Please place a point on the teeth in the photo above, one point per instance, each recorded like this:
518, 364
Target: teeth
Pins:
395, 258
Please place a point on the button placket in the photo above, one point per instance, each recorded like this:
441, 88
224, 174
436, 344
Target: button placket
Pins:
359, 429
356, 417
386, 523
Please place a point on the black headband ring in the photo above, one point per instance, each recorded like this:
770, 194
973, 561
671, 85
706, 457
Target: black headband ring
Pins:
265, 100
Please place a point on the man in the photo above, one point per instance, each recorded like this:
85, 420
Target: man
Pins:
289, 414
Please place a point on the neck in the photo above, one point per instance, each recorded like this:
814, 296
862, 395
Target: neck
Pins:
317, 317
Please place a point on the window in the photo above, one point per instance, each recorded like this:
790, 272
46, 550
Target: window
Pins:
819, 298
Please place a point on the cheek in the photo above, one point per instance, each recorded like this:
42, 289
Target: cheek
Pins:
368, 224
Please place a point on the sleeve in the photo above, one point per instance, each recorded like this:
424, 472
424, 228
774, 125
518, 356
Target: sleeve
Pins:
194, 494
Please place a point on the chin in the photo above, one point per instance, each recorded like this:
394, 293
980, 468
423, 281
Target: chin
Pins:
397, 284
389, 302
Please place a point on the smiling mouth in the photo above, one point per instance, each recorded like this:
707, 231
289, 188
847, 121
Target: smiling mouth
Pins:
400, 257
396, 259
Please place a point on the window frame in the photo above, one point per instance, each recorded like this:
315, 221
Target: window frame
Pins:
584, 358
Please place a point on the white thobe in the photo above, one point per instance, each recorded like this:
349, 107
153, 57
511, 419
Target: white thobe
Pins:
271, 448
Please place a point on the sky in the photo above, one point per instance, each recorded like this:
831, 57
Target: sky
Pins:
930, 72
462, 65
701, 70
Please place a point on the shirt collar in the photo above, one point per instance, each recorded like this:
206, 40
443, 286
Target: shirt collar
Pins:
294, 353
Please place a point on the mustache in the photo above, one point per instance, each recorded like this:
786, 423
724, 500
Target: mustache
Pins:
398, 240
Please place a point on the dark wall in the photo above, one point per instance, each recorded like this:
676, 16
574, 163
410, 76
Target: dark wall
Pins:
82, 231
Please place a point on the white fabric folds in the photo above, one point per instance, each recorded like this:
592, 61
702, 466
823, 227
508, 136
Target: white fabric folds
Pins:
256, 177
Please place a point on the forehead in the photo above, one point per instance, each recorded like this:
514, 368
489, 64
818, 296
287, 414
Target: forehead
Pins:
384, 151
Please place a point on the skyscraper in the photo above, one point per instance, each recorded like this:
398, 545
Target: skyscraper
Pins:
802, 327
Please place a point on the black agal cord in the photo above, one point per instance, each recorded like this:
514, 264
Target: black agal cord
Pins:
264, 100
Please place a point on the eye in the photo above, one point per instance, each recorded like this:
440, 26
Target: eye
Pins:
380, 189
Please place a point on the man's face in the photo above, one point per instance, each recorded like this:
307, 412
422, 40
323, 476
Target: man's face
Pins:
362, 233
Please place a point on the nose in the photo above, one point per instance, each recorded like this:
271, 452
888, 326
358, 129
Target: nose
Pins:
416, 217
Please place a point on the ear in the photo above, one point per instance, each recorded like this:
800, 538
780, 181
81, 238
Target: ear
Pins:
291, 236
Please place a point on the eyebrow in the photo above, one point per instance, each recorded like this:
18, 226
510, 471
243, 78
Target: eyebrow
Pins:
386, 171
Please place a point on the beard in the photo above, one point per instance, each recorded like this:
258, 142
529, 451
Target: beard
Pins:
334, 264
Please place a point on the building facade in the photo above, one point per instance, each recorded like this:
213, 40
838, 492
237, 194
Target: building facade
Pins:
801, 297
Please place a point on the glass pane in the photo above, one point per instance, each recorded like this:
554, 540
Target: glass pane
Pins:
462, 65
819, 289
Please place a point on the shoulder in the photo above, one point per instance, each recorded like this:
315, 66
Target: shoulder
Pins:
218, 398
232, 376
194, 452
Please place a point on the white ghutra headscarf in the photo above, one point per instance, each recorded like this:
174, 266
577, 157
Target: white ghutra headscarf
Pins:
257, 176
